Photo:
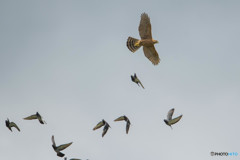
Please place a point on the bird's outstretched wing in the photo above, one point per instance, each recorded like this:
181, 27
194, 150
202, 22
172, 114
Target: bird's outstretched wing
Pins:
34, 116
145, 27
151, 54
105, 129
99, 125
175, 120
170, 113
12, 124
120, 118
63, 146
127, 126
53, 141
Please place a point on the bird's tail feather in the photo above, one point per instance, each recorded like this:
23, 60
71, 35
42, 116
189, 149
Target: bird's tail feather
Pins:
141, 85
133, 44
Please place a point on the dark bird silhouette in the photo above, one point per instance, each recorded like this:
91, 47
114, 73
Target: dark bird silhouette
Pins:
136, 80
127, 122
59, 148
35, 116
11, 124
100, 124
169, 121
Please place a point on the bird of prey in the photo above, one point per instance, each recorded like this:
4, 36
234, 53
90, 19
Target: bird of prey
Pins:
136, 80
100, 124
146, 41
127, 122
169, 121
35, 116
59, 148
11, 124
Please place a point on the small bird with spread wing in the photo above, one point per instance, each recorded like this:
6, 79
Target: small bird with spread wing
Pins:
146, 41
59, 148
127, 122
169, 121
100, 124
36, 116
136, 80
11, 124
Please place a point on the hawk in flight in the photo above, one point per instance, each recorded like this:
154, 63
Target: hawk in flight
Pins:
146, 41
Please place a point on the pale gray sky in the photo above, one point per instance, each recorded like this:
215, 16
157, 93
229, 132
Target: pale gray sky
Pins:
68, 60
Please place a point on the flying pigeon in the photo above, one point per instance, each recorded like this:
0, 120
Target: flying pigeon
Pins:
35, 116
100, 124
136, 80
127, 122
11, 124
169, 121
59, 148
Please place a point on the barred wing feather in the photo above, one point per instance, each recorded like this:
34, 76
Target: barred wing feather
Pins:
145, 27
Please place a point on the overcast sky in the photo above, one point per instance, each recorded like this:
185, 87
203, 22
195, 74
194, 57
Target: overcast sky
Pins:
68, 60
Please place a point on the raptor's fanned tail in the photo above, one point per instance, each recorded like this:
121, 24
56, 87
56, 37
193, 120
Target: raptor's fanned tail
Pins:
133, 44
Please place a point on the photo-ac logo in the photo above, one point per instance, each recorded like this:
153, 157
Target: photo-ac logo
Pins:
224, 153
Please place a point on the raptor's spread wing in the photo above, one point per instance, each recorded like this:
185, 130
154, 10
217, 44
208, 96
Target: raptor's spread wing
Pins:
145, 27
151, 54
